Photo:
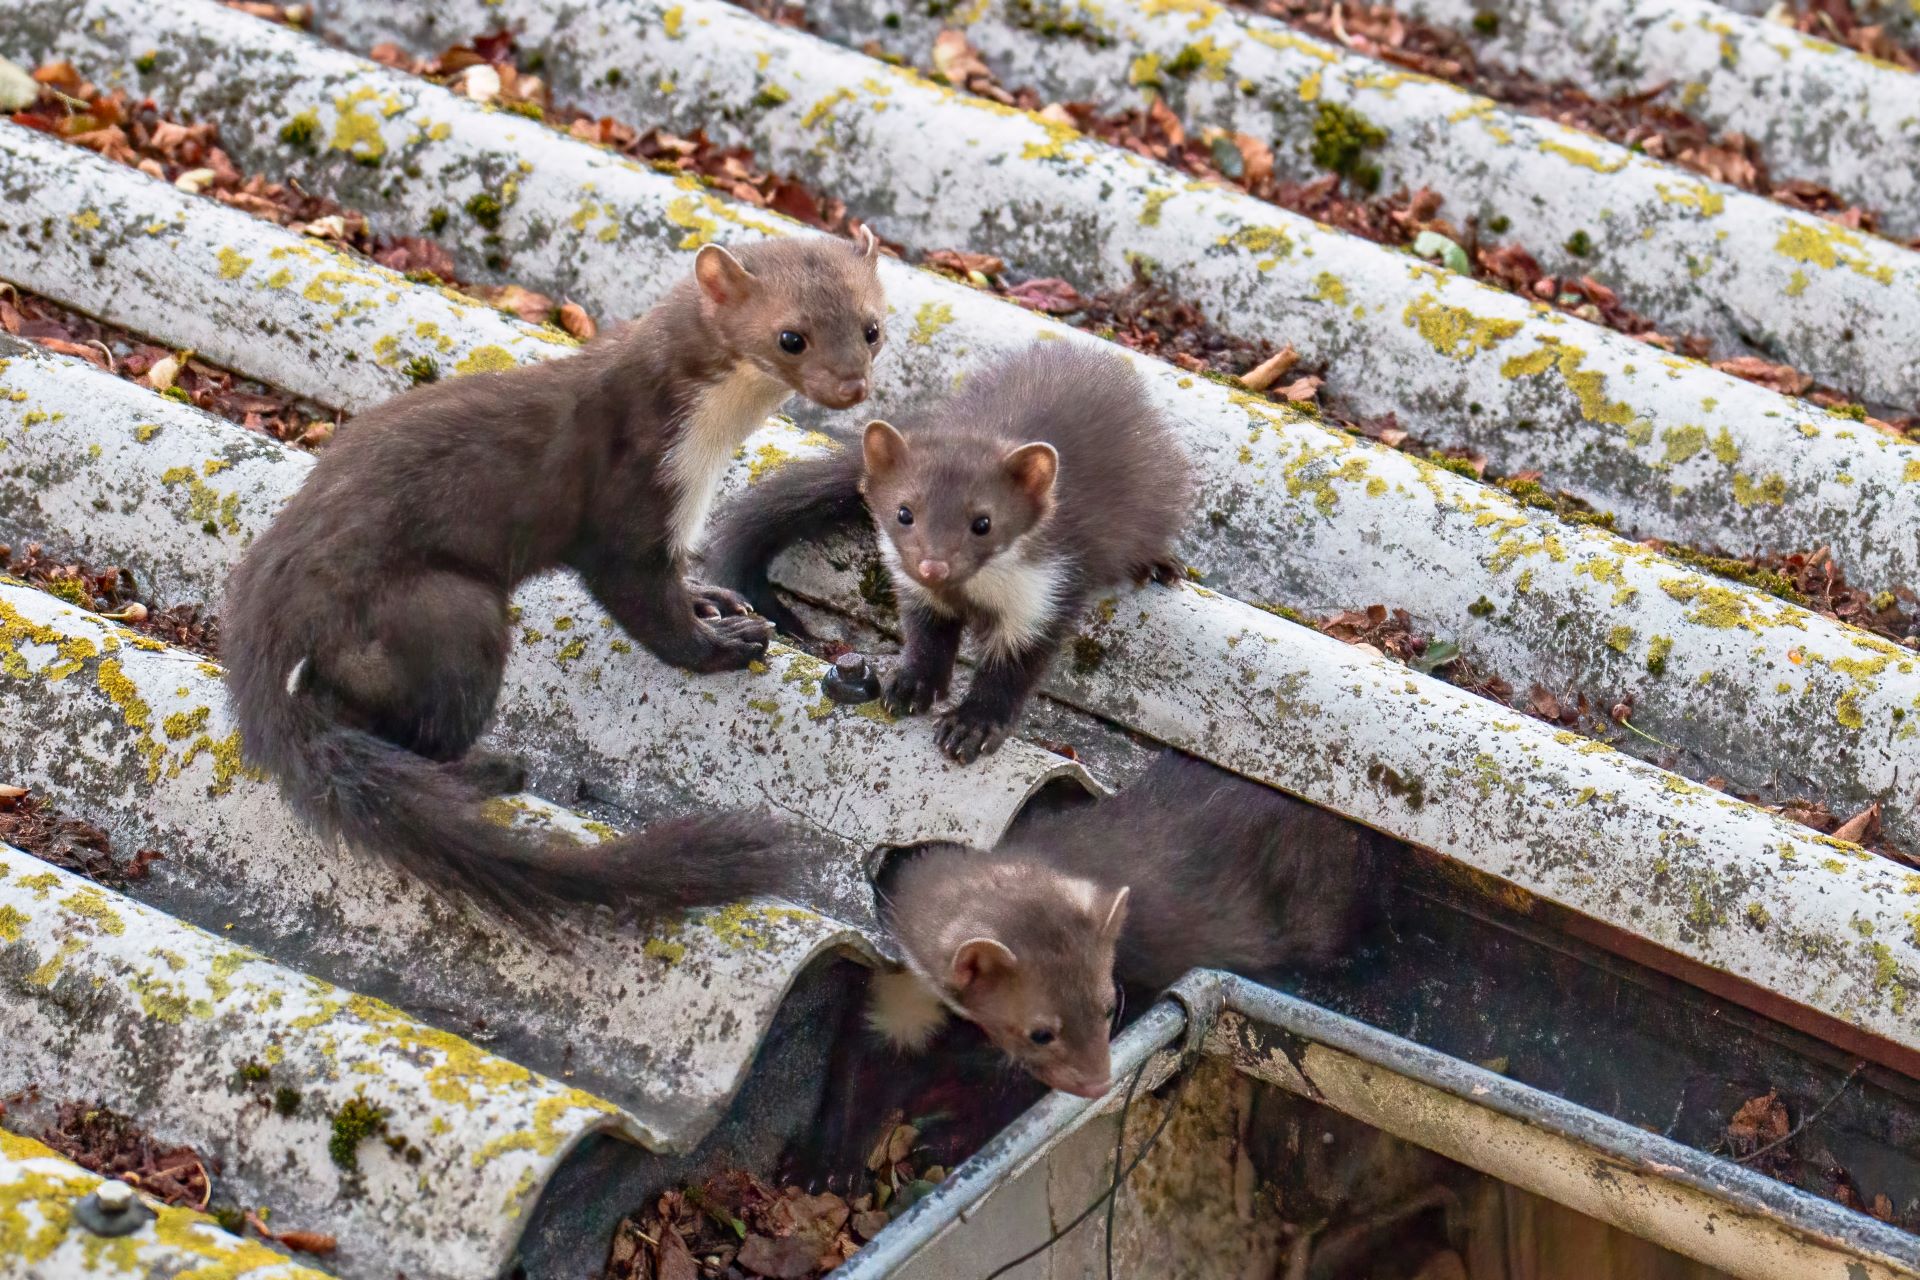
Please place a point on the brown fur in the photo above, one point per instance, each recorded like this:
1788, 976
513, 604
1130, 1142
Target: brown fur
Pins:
1211, 870
1082, 486
366, 630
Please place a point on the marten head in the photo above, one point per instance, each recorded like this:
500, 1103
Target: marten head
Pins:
808, 311
951, 502
1025, 952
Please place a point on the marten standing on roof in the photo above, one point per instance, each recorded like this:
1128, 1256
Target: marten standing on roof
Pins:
366, 631
1190, 867
1045, 481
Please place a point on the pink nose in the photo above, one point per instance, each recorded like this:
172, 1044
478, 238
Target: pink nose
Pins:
933, 570
1081, 1086
852, 390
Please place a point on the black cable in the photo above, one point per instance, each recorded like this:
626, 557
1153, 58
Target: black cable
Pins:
1119, 1175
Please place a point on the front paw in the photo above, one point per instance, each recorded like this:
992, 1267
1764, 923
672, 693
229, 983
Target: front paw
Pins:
909, 693
717, 602
967, 733
733, 642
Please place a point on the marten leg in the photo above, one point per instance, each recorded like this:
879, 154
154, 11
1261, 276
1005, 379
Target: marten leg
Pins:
422, 669
655, 607
1002, 683
926, 668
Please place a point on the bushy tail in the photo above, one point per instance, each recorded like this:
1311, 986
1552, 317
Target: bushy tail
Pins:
801, 500
431, 822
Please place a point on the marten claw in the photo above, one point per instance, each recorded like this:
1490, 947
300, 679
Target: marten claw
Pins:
965, 738
906, 694
716, 602
1166, 571
734, 642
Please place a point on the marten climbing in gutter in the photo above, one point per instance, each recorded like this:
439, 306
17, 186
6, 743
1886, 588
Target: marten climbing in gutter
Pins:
366, 631
1189, 867
1045, 481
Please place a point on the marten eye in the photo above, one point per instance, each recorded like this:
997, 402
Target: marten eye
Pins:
981, 524
873, 333
1040, 1035
792, 343
906, 516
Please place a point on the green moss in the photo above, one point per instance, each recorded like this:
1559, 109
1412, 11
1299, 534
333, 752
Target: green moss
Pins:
1088, 654
531, 110
146, 62
1579, 244
1341, 137
1759, 915
1459, 466
73, 591
1486, 24
253, 1071
614, 77
1752, 575
177, 393
437, 218
876, 588
1857, 412
286, 1100
1620, 639
301, 132
421, 369
1657, 652
484, 209
1481, 608
771, 96
231, 1219
355, 1122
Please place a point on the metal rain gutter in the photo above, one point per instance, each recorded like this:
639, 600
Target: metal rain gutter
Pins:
111, 1003
1706, 1208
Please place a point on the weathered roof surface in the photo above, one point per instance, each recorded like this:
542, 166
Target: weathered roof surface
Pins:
161, 1018
662, 1026
40, 1240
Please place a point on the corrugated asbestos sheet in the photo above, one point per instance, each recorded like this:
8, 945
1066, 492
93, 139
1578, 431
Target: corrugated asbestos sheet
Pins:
258, 962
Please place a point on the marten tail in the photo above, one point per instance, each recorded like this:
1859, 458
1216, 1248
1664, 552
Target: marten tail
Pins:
801, 500
428, 819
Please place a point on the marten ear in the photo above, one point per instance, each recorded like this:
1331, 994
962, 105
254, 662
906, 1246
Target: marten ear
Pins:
977, 961
869, 243
723, 281
884, 447
1032, 468
1116, 914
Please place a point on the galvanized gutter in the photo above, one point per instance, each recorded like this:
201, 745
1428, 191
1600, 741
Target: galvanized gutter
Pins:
111, 1003
1818, 110
40, 1240
1706, 1208
1747, 282
1533, 599
662, 1022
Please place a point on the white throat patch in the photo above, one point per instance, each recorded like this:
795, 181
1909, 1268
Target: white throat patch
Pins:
1019, 595
715, 425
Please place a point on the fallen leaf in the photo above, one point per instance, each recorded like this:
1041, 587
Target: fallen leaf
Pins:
1264, 374
162, 374
18, 89
1431, 244
308, 1241
1759, 1121
480, 82
194, 181
675, 1261
1861, 826
575, 320
871, 1223
780, 1258
1049, 294
1302, 388
955, 59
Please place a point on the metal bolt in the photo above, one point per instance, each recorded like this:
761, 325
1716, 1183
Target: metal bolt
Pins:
112, 1210
851, 681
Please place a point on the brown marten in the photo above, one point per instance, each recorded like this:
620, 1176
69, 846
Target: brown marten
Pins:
1046, 480
366, 631
1189, 867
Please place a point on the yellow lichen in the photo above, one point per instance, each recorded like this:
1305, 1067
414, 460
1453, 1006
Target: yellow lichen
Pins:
1456, 331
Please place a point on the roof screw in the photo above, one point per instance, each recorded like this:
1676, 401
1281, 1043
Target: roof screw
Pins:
112, 1210
851, 681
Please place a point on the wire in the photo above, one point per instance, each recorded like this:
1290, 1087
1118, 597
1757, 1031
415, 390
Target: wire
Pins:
1806, 1120
1119, 1175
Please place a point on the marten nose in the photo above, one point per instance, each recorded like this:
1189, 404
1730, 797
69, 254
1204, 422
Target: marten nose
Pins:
933, 570
851, 390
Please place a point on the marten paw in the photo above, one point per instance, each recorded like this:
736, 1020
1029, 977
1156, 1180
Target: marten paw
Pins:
717, 602
1166, 571
967, 734
908, 694
733, 642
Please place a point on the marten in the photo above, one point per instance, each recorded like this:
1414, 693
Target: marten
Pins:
1189, 867
366, 631
1045, 481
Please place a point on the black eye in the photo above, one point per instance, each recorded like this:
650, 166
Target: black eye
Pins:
980, 526
873, 333
792, 343
1040, 1035
906, 516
